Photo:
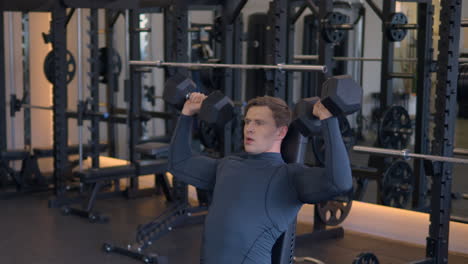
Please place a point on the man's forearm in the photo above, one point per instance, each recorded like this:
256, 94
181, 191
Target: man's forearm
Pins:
337, 166
180, 148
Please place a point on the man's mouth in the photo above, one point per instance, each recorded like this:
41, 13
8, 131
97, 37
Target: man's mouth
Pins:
249, 140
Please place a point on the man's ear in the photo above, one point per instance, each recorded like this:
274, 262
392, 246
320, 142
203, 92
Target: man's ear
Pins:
283, 130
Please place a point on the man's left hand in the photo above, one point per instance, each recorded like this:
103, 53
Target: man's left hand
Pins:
321, 111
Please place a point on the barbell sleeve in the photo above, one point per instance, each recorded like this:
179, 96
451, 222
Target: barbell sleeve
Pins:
281, 67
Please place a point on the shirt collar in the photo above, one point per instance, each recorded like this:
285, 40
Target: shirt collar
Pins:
270, 156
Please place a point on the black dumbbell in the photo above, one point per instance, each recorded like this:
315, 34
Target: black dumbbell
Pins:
341, 95
217, 108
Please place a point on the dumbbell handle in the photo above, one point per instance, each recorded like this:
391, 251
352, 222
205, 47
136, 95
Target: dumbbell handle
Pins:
236, 103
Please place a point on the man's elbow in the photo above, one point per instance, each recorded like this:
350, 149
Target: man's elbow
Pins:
344, 186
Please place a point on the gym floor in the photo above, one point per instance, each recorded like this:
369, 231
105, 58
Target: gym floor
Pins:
34, 233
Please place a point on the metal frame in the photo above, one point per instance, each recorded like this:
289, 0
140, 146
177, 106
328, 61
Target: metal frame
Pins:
176, 49
26, 80
94, 84
423, 86
112, 81
60, 124
386, 82
444, 130
309, 46
277, 48
3, 113
325, 49
135, 93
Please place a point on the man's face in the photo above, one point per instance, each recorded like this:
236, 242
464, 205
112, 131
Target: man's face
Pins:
260, 131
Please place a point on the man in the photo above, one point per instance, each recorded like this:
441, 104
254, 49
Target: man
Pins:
257, 195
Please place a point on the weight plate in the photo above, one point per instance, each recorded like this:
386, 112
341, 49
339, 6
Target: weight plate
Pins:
366, 258
318, 145
333, 213
115, 66
330, 34
393, 32
397, 184
462, 93
49, 67
395, 128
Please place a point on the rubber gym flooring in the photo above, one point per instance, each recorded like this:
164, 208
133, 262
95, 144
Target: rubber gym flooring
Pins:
33, 233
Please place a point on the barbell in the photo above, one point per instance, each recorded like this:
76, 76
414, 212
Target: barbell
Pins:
191, 65
315, 57
406, 154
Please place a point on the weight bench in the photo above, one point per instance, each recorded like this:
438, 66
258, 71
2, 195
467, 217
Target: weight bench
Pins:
97, 178
23, 178
157, 150
71, 150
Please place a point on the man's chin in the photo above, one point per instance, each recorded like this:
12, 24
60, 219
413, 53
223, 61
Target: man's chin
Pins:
251, 150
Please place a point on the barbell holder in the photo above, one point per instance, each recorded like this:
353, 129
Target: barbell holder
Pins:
401, 75
341, 26
460, 151
464, 23
403, 26
400, 130
198, 29
406, 154
281, 67
37, 107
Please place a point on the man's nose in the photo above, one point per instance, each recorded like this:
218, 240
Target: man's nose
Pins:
249, 128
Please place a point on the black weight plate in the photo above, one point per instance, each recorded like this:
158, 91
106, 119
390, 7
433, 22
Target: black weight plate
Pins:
397, 184
332, 35
462, 93
396, 34
333, 213
348, 135
366, 258
116, 63
395, 128
49, 67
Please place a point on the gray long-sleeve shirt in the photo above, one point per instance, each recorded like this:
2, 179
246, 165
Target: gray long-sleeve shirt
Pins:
256, 197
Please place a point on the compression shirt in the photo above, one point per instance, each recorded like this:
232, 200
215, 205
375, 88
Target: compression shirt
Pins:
256, 197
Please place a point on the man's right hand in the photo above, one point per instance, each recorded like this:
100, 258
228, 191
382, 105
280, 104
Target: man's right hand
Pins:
193, 104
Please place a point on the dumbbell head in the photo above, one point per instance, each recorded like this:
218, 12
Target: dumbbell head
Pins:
303, 118
341, 95
176, 90
217, 109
